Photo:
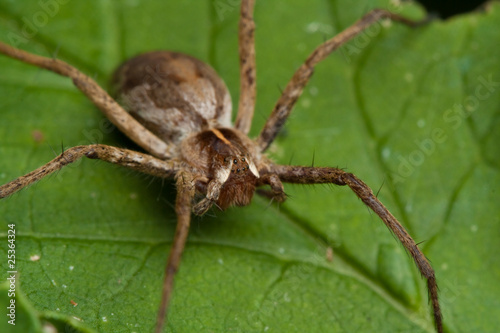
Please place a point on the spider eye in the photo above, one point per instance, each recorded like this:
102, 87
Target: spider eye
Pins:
235, 161
243, 159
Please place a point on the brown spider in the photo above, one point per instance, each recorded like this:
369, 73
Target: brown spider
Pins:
179, 111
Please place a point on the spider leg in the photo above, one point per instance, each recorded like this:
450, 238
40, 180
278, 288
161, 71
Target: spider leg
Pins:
113, 111
295, 86
318, 175
277, 191
248, 83
128, 158
185, 193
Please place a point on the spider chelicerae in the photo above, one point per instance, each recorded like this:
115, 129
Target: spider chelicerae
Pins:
179, 111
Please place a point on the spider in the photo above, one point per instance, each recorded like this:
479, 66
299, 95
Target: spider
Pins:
179, 111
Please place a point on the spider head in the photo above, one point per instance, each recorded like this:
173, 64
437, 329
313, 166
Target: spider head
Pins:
226, 161
239, 185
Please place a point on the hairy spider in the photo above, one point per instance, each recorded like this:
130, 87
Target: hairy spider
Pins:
179, 111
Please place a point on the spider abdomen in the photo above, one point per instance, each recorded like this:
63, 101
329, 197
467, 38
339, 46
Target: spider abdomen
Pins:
173, 94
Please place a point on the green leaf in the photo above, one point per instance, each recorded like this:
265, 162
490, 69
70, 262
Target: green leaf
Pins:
410, 111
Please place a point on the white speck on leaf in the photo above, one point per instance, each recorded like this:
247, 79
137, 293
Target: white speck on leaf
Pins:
386, 152
409, 77
305, 103
313, 91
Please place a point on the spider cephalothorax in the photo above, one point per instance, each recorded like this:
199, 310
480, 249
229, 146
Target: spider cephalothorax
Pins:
179, 111
223, 160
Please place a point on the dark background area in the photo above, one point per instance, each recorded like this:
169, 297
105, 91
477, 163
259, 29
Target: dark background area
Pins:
447, 8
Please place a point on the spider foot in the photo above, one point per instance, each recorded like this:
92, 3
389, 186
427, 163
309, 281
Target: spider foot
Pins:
202, 207
274, 196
